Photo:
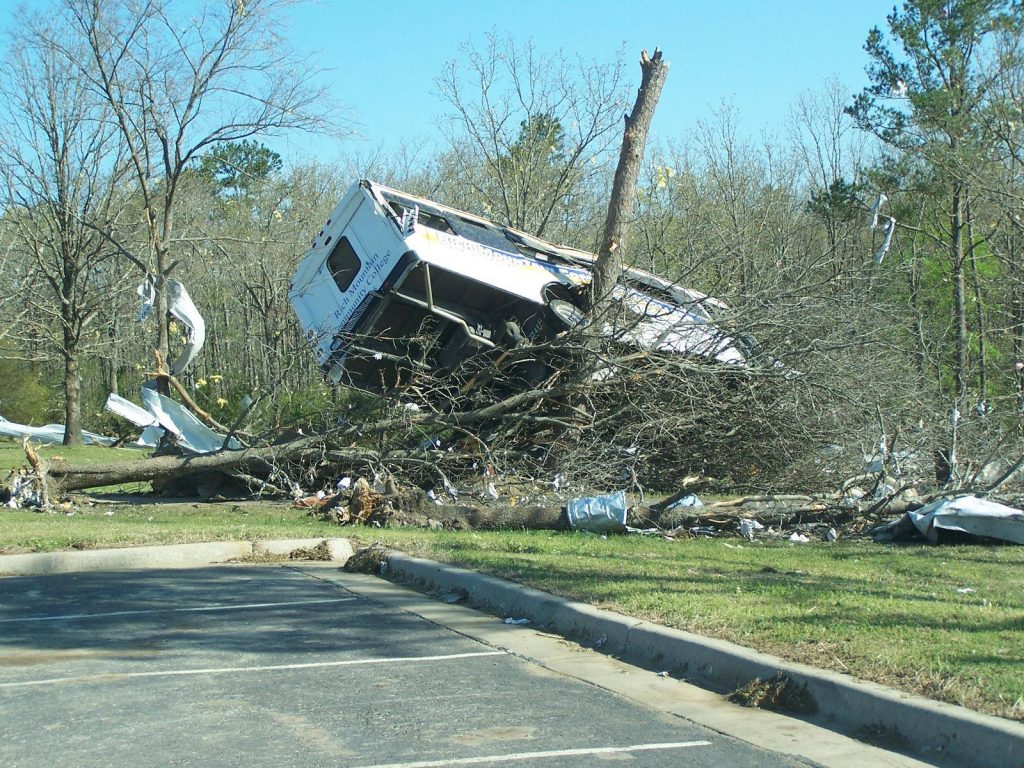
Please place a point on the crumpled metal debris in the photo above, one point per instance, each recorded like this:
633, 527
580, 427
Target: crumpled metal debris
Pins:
887, 225
183, 309
876, 208
888, 228
52, 434
970, 515
598, 514
692, 500
162, 415
190, 433
951, 518
140, 417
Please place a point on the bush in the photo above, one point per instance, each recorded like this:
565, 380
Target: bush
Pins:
23, 397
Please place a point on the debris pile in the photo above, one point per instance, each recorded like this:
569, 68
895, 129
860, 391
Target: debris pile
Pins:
469, 457
21, 490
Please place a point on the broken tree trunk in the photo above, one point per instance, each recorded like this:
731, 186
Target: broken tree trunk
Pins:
72, 477
608, 266
162, 374
41, 469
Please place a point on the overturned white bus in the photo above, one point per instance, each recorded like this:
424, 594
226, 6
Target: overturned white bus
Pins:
395, 283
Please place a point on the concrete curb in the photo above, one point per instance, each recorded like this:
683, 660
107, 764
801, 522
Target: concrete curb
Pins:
165, 556
930, 730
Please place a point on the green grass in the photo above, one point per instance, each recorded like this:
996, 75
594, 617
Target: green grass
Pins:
885, 613
12, 455
90, 527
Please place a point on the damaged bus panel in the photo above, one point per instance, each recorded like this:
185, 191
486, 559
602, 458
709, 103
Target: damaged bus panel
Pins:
394, 283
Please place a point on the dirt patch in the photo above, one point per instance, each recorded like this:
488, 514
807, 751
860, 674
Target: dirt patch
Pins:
20, 658
778, 693
495, 734
372, 560
885, 736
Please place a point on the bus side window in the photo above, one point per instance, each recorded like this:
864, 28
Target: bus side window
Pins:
343, 264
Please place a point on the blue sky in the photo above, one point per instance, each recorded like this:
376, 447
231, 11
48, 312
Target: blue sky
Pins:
757, 56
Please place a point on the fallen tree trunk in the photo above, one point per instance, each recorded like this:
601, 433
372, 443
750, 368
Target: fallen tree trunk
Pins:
779, 511
73, 477
502, 518
255, 461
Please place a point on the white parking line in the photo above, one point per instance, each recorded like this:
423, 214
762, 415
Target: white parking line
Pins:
540, 755
113, 677
195, 609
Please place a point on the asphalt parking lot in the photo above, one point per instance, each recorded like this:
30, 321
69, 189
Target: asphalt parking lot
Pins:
302, 664
233, 665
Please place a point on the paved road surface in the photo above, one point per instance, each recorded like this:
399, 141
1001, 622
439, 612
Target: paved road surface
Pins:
282, 666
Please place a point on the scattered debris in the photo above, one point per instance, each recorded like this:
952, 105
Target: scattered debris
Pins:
517, 622
778, 693
747, 528
321, 551
22, 491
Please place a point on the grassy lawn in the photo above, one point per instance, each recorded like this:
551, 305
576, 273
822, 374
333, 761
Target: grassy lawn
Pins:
946, 622
127, 525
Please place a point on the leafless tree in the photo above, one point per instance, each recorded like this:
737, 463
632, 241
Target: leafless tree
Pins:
528, 133
62, 163
178, 80
831, 152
